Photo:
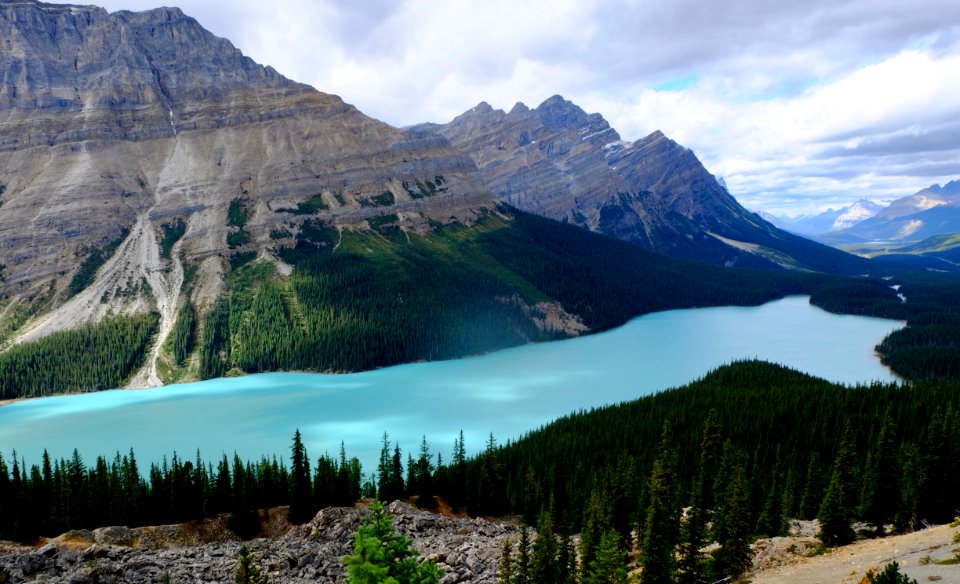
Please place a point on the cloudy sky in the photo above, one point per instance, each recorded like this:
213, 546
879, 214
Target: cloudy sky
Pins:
798, 105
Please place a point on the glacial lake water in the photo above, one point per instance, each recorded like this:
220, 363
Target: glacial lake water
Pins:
507, 392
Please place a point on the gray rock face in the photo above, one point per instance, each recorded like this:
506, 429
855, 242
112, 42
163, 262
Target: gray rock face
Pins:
110, 119
468, 550
558, 161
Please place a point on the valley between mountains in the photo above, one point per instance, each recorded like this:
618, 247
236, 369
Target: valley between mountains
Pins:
172, 211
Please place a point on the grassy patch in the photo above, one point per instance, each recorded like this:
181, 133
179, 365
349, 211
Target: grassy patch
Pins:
312, 205
172, 232
385, 224
384, 199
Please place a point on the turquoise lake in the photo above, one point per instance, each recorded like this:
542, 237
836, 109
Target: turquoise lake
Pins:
508, 392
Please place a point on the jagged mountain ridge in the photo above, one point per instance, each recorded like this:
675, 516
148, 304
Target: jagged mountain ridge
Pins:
116, 123
558, 161
930, 212
825, 221
144, 142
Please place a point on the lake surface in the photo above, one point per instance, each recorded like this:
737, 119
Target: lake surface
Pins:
508, 392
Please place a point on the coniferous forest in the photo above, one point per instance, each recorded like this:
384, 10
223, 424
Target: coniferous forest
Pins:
745, 448
386, 297
91, 357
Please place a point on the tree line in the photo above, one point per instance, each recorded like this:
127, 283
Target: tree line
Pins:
385, 298
744, 450
89, 358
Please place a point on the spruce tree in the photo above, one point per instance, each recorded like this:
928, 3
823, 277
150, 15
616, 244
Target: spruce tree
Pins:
881, 489
610, 564
382, 556
248, 572
544, 567
845, 465
596, 522
734, 556
891, 574
834, 518
301, 490
812, 493
658, 551
521, 568
505, 568
692, 563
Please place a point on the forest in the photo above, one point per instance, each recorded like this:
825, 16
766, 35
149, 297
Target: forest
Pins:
747, 447
387, 297
89, 358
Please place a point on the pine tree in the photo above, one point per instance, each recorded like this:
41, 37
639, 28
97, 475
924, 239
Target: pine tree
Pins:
505, 569
381, 555
834, 519
891, 574
881, 490
248, 572
543, 563
521, 568
301, 505
734, 556
597, 521
692, 564
610, 564
657, 554
812, 492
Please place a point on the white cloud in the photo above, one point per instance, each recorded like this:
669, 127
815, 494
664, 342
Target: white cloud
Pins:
799, 105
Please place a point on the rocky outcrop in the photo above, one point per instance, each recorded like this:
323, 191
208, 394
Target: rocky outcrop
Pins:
109, 118
558, 161
115, 124
468, 550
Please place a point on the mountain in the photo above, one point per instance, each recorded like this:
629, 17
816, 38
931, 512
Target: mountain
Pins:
171, 210
120, 128
560, 162
932, 211
812, 223
829, 220
856, 213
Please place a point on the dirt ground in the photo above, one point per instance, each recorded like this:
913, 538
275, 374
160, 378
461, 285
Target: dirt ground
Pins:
847, 565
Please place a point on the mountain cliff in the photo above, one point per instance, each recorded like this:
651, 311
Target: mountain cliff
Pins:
119, 125
558, 161
171, 210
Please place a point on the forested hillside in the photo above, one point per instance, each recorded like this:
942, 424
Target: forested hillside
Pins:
746, 447
363, 299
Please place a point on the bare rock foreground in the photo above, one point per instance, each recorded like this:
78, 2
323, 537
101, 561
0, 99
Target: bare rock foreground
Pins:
467, 549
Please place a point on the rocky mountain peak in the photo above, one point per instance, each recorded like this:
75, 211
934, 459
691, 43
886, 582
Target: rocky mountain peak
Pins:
119, 124
560, 162
556, 113
518, 109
